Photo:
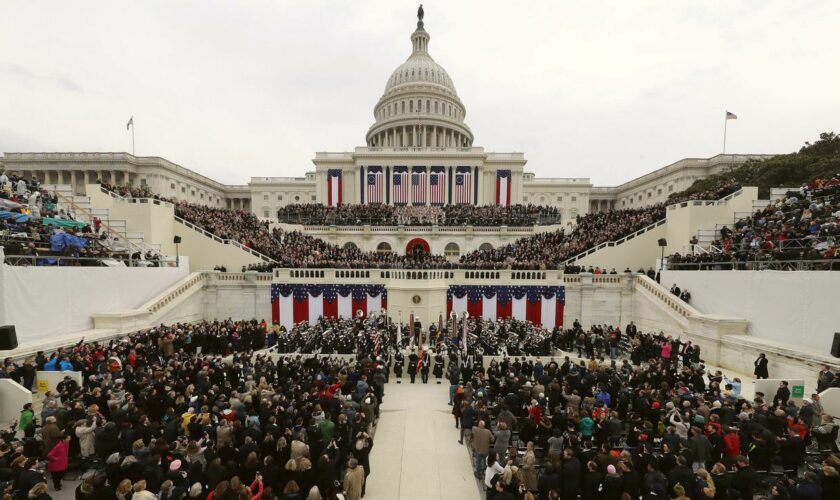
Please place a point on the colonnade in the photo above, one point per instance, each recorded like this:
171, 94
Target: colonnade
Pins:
431, 136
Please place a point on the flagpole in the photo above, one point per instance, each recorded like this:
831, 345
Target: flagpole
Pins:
725, 120
132, 136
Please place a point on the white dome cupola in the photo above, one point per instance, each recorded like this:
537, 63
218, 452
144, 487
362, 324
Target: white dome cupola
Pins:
420, 107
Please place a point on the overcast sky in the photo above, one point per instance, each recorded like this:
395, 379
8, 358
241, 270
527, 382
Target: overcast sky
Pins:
232, 89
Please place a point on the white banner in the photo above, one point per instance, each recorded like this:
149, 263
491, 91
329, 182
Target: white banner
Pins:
345, 306
488, 308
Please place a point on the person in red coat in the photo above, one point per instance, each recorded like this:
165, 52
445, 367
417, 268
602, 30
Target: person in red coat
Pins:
57, 460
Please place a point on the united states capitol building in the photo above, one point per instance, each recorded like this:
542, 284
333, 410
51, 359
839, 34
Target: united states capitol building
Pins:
419, 150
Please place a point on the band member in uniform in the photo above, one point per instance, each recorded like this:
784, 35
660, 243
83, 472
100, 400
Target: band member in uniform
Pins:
478, 362
386, 365
438, 366
424, 367
398, 365
412, 365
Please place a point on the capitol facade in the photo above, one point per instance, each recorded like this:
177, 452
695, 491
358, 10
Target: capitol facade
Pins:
418, 151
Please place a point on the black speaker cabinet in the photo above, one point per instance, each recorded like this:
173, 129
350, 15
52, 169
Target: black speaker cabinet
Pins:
8, 338
835, 346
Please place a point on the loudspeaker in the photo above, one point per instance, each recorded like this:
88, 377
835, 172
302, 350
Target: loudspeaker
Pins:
662, 242
835, 346
8, 338
176, 240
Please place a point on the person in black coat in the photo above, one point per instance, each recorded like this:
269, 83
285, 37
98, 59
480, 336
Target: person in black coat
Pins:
398, 364
31, 476
548, 481
412, 365
592, 480
654, 484
782, 393
761, 367
424, 367
569, 475
745, 477
438, 371
681, 473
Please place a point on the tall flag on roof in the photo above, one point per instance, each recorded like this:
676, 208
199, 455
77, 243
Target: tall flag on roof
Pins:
333, 187
731, 116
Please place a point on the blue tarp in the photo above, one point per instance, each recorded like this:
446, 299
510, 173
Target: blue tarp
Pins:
14, 217
60, 241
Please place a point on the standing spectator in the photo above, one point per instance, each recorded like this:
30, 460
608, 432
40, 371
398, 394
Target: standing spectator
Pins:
761, 367
481, 438
27, 421
50, 433
354, 479
57, 459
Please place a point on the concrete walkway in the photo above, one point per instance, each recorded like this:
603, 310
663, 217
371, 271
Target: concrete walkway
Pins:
416, 454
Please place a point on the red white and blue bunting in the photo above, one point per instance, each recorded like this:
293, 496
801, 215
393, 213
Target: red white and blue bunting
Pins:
293, 304
541, 305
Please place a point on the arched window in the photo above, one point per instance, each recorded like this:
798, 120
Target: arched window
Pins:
350, 246
485, 247
411, 106
452, 250
436, 107
383, 247
428, 106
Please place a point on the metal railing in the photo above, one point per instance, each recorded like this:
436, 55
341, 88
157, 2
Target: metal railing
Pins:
756, 265
613, 243
467, 276
71, 261
224, 241
132, 247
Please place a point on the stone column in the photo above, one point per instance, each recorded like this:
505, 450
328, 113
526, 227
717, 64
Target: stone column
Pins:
628, 287
587, 293
414, 136
73, 188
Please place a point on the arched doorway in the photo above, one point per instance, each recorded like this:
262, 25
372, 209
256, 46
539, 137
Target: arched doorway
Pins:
383, 247
452, 250
417, 247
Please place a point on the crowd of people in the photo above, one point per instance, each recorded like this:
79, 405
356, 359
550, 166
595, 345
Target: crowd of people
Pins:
804, 225
35, 231
659, 425
190, 411
549, 250
419, 215
721, 188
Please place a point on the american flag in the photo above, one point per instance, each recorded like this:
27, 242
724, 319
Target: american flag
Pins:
374, 187
462, 188
731, 116
418, 188
400, 188
437, 188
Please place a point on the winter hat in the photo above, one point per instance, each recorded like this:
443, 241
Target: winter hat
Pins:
611, 469
175, 466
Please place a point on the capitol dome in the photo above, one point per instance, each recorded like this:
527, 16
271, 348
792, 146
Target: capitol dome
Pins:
420, 106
